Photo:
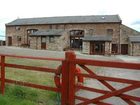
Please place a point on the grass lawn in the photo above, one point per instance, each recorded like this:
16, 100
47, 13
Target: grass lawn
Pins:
19, 95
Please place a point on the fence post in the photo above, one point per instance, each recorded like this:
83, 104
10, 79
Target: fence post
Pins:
2, 74
68, 79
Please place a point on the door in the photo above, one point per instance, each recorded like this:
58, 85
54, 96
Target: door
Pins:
124, 49
43, 42
98, 48
114, 48
76, 39
76, 43
9, 41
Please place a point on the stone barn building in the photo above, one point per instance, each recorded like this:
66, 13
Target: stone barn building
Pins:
97, 34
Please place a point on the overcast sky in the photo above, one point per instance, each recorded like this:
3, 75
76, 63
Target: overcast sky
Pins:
12, 9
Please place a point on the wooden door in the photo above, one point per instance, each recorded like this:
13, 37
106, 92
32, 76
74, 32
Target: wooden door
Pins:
98, 48
124, 49
43, 42
114, 48
9, 41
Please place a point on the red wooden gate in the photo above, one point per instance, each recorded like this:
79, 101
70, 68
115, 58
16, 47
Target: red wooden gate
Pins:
69, 85
104, 80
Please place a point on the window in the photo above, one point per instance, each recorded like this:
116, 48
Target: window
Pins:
51, 39
109, 31
91, 31
18, 38
77, 32
17, 28
71, 32
30, 31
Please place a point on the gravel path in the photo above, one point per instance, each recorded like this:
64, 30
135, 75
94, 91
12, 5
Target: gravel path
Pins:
30, 52
61, 54
47, 53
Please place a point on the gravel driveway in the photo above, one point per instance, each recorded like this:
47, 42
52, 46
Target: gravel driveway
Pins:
61, 54
89, 82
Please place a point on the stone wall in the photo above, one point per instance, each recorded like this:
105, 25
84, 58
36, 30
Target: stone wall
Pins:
107, 48
98, 29
86, 47
135, 49
22, 32
63, 42
125, 32
59, 44
120, 35
33, 42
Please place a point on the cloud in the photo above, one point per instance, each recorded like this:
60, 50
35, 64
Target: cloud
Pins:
136, 22
44, 8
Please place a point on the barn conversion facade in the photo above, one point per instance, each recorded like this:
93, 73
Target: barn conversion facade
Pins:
97, 34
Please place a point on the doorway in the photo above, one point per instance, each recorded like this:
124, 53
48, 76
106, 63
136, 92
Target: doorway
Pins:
76, 43
114, 48
124, 49
43, 43
97, 48
9, 41
76, 37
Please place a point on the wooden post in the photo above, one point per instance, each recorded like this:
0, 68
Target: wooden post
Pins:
2, 74
68, 79
64, 87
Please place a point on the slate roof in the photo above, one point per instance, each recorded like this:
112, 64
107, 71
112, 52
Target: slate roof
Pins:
98, 38
50, 32
134, 38
67, 19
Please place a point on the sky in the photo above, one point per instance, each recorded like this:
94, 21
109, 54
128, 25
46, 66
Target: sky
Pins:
128, 10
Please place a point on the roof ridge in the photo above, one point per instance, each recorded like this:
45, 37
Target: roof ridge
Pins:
67, 19
68, 16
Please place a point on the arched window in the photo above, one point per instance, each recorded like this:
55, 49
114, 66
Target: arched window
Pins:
30, 31
79, 33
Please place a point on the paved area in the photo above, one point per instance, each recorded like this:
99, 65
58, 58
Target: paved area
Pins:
89, 82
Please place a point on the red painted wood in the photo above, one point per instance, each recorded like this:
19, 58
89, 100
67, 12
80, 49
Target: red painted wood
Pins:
102, 81
105, 83
21, 83
109, 78
85, 99
32, 57
125, 96
65, 81
41, 69
72, 69
68, 80
114, 93
125, 65
110, 87
2, 74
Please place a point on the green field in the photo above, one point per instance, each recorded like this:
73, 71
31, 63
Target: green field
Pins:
19, 95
